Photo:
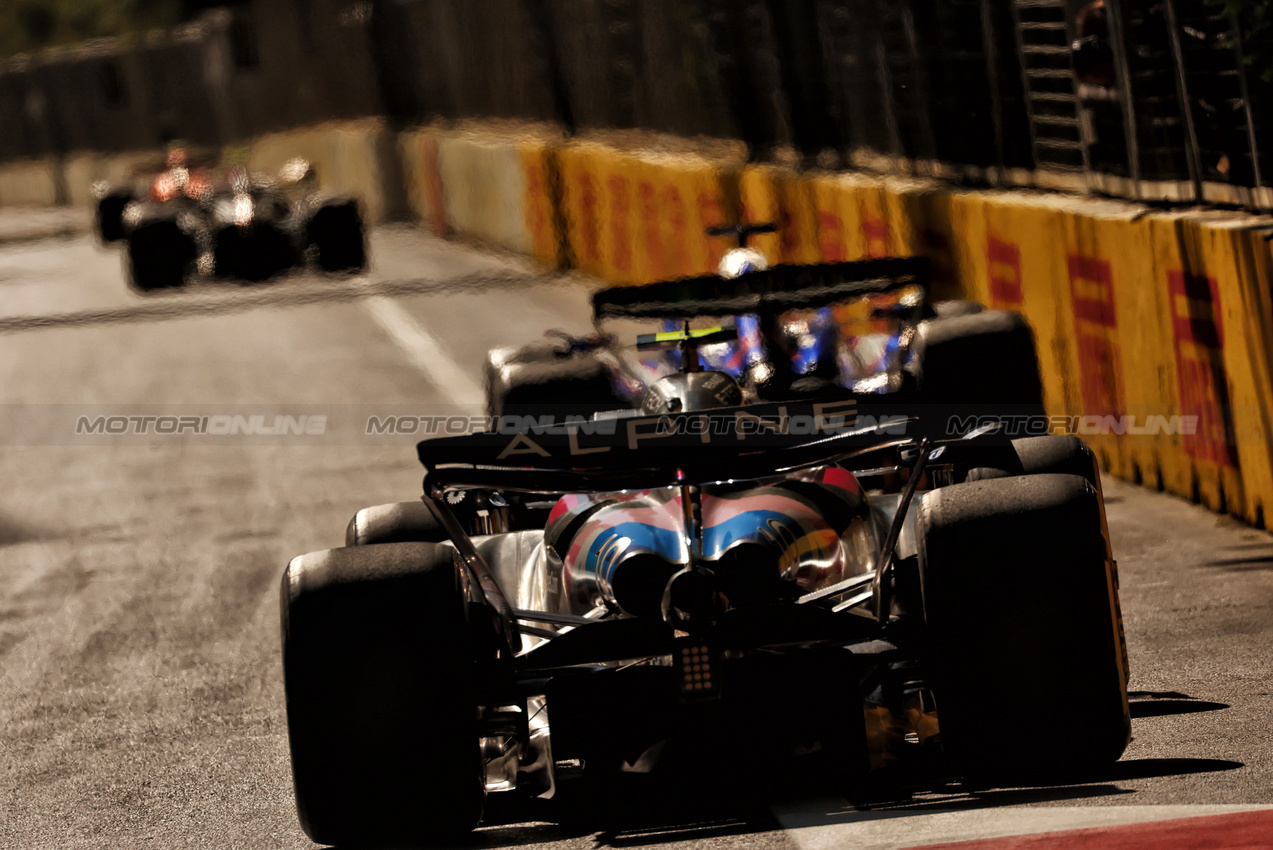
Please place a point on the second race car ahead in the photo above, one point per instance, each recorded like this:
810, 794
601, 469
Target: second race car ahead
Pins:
190, 219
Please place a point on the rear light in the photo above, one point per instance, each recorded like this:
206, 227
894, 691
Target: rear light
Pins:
697, 667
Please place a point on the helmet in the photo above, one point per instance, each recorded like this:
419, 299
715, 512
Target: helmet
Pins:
740, 261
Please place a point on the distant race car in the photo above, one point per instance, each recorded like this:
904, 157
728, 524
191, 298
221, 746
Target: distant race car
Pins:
791, 522
189, 219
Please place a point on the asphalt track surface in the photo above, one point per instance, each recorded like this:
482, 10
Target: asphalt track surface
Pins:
141, 701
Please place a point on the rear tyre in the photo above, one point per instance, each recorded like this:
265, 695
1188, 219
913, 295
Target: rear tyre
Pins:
381, 709
336, 233
1051, 454
1065, 455
159, 255
398, 522
1020, 603
110, 215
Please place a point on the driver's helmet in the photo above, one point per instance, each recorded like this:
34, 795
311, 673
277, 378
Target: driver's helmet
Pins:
740, 261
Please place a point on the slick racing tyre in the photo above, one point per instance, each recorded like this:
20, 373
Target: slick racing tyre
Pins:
1019, 601
1065, 455
110, 215
399, 522
159, 254
336, 233
985, 362
381, 713
1059, 454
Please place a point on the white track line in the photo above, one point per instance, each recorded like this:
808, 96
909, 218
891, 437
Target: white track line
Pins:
833, 825
425, 353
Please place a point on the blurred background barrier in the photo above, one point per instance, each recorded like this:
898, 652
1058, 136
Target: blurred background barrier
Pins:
484, 189
640, 215
781, 195
418, 152
80, 171
541, 197
33, 181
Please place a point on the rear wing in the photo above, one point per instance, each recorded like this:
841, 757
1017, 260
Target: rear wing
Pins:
646, 452
653, 451
780, 288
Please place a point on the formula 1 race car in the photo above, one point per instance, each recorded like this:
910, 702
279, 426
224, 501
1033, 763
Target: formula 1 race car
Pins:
711, 555
236, 225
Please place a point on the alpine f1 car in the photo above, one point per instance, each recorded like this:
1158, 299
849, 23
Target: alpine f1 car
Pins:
237, 224
785, 525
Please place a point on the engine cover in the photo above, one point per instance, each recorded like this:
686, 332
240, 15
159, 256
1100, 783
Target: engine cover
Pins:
805, 531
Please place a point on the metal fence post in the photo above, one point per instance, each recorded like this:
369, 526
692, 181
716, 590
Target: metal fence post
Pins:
1125, 92
1246, 99
991, 51
1186, 106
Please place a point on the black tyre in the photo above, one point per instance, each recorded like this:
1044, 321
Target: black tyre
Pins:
336, 233
1019, 599
229, 250
380, 683
1064, 455
159, 255
979, 361
110, 215
399, 522
1052, 454
253, 253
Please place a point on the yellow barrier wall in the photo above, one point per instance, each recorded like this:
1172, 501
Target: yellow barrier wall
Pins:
636, 218
537, 159
1224, 320
771, 193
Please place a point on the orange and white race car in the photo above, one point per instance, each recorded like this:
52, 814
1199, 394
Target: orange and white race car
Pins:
195, 216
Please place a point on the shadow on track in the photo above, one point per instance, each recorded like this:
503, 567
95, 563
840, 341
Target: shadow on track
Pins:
1167, 703
649, 813
1155, 767
1254, 562
13, 532
1168, 707
216, 300
736, 802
